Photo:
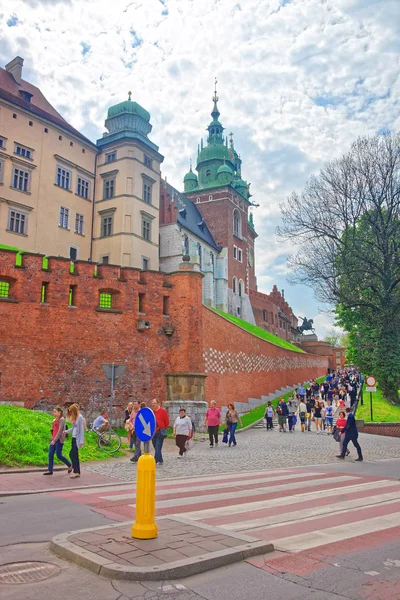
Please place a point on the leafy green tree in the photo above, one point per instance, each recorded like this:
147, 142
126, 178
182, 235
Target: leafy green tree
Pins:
346, 223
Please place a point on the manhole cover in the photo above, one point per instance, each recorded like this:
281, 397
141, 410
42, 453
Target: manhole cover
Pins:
27, 572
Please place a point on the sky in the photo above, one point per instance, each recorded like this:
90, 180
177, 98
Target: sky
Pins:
298, 82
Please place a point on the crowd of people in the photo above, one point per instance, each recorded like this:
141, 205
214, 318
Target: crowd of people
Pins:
329, 406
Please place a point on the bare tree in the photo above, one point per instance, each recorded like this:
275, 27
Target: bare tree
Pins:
346, 224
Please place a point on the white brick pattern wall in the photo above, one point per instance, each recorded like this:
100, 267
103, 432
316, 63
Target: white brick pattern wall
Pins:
217, 361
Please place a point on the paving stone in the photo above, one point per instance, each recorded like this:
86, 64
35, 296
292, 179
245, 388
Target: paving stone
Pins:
168, 555
148, 560
211, 546
191, 550
131, 555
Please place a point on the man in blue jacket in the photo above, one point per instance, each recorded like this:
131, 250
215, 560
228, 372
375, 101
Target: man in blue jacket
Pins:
351, 435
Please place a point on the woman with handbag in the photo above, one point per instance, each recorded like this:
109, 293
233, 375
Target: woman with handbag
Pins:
340, 425
232, 418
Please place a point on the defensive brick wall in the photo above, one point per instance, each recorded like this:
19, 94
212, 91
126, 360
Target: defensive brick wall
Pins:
52, 353
389, 429
239, 365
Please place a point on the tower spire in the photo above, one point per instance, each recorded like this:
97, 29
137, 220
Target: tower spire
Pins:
215, 112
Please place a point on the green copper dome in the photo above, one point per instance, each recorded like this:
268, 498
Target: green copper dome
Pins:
212, 152
128, 107
224, 169
190, 176
239, 183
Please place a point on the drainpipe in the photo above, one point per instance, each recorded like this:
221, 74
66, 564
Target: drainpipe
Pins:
94, 199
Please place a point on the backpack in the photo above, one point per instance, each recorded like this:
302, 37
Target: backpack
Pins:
279, 410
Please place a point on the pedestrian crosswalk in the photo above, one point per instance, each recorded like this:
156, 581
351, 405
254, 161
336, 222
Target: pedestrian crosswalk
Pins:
294, 508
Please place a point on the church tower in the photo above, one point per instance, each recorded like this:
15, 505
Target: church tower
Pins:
223, 199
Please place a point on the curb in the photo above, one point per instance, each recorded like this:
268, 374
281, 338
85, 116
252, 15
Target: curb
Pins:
32, 470
6, 494
174, 570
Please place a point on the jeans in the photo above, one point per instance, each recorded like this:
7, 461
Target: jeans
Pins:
158, 444
354, 439
213, 434
232, 429
269, 423
138, 449
74, 456
57, 450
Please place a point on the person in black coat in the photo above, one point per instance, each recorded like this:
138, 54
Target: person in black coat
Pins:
351, 435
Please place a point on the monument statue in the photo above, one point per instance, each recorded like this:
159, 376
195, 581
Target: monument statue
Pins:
307, 325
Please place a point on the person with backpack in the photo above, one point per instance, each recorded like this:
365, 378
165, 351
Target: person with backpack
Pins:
302, 413
269, 414
57, 441
282, 412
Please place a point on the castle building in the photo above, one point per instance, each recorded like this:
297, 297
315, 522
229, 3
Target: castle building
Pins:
47, 173
62, 195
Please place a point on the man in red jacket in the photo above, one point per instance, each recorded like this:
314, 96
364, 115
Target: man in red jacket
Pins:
162, 422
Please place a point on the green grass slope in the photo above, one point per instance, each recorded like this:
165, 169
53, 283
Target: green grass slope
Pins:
259, 332
25, 436
383, 411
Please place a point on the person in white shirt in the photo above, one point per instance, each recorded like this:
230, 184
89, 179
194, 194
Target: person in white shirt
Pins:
183, 431
101, 422
302, 414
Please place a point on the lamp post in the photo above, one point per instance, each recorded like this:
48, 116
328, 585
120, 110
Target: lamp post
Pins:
357, 333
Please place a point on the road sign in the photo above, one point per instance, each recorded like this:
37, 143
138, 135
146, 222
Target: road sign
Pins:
370, 388
145, 424
370, 381
118, 370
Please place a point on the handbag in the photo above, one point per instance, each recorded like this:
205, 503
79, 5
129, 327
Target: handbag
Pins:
225, 436
189, 444
162, 432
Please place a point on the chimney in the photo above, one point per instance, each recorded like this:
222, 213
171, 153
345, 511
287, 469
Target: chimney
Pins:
283, 293
15, 68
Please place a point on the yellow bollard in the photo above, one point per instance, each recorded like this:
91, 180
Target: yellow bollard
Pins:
144, 527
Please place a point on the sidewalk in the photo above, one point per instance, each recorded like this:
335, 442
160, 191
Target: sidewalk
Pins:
19, 483
181, 549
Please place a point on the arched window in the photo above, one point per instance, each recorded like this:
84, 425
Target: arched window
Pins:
185, 244
208, 173
234, 280
236, 223
240, 289
212, 262
199, 254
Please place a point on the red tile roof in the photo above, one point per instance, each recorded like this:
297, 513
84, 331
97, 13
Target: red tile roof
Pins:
38, 105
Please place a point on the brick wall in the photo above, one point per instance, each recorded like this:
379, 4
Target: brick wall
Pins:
389, 429
239, 365
52, 352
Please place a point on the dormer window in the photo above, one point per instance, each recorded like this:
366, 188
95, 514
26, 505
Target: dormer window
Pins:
182, 212
25, 95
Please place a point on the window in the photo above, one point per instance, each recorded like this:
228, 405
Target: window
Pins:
14, 116
210, 198
235, 252
105, 300
21, 180
145, 263
46, 130
60, 138
79, 224
3, 142
4, 289
234, 285
165, 305
63, 178
71, 143
71, 295
264, 315
73, 253
106, 225
197, 199
208, 173
186, 245
200, 255
240, 289
212, 262
147, 161
111, 157
83, 188
17, 222
141, 303
63, 220
240, 255
236, 223
30, 122
1, 170
83, 150
146, 229
108, 189
147, 192
105, 260
45, 286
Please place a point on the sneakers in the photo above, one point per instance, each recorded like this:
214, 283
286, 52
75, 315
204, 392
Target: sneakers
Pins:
179, 456
216, 444
359, 460
133, 459
340, 456
69, 469
211, 445
74, 475
48, 473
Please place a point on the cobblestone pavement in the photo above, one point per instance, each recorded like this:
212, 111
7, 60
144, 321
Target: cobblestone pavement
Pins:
256, 449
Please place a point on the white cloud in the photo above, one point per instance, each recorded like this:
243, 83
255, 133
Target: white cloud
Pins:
298, 82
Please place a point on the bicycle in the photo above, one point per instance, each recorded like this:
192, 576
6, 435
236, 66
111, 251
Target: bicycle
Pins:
107, 440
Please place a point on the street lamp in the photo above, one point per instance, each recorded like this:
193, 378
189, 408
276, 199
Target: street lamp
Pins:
358, 335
